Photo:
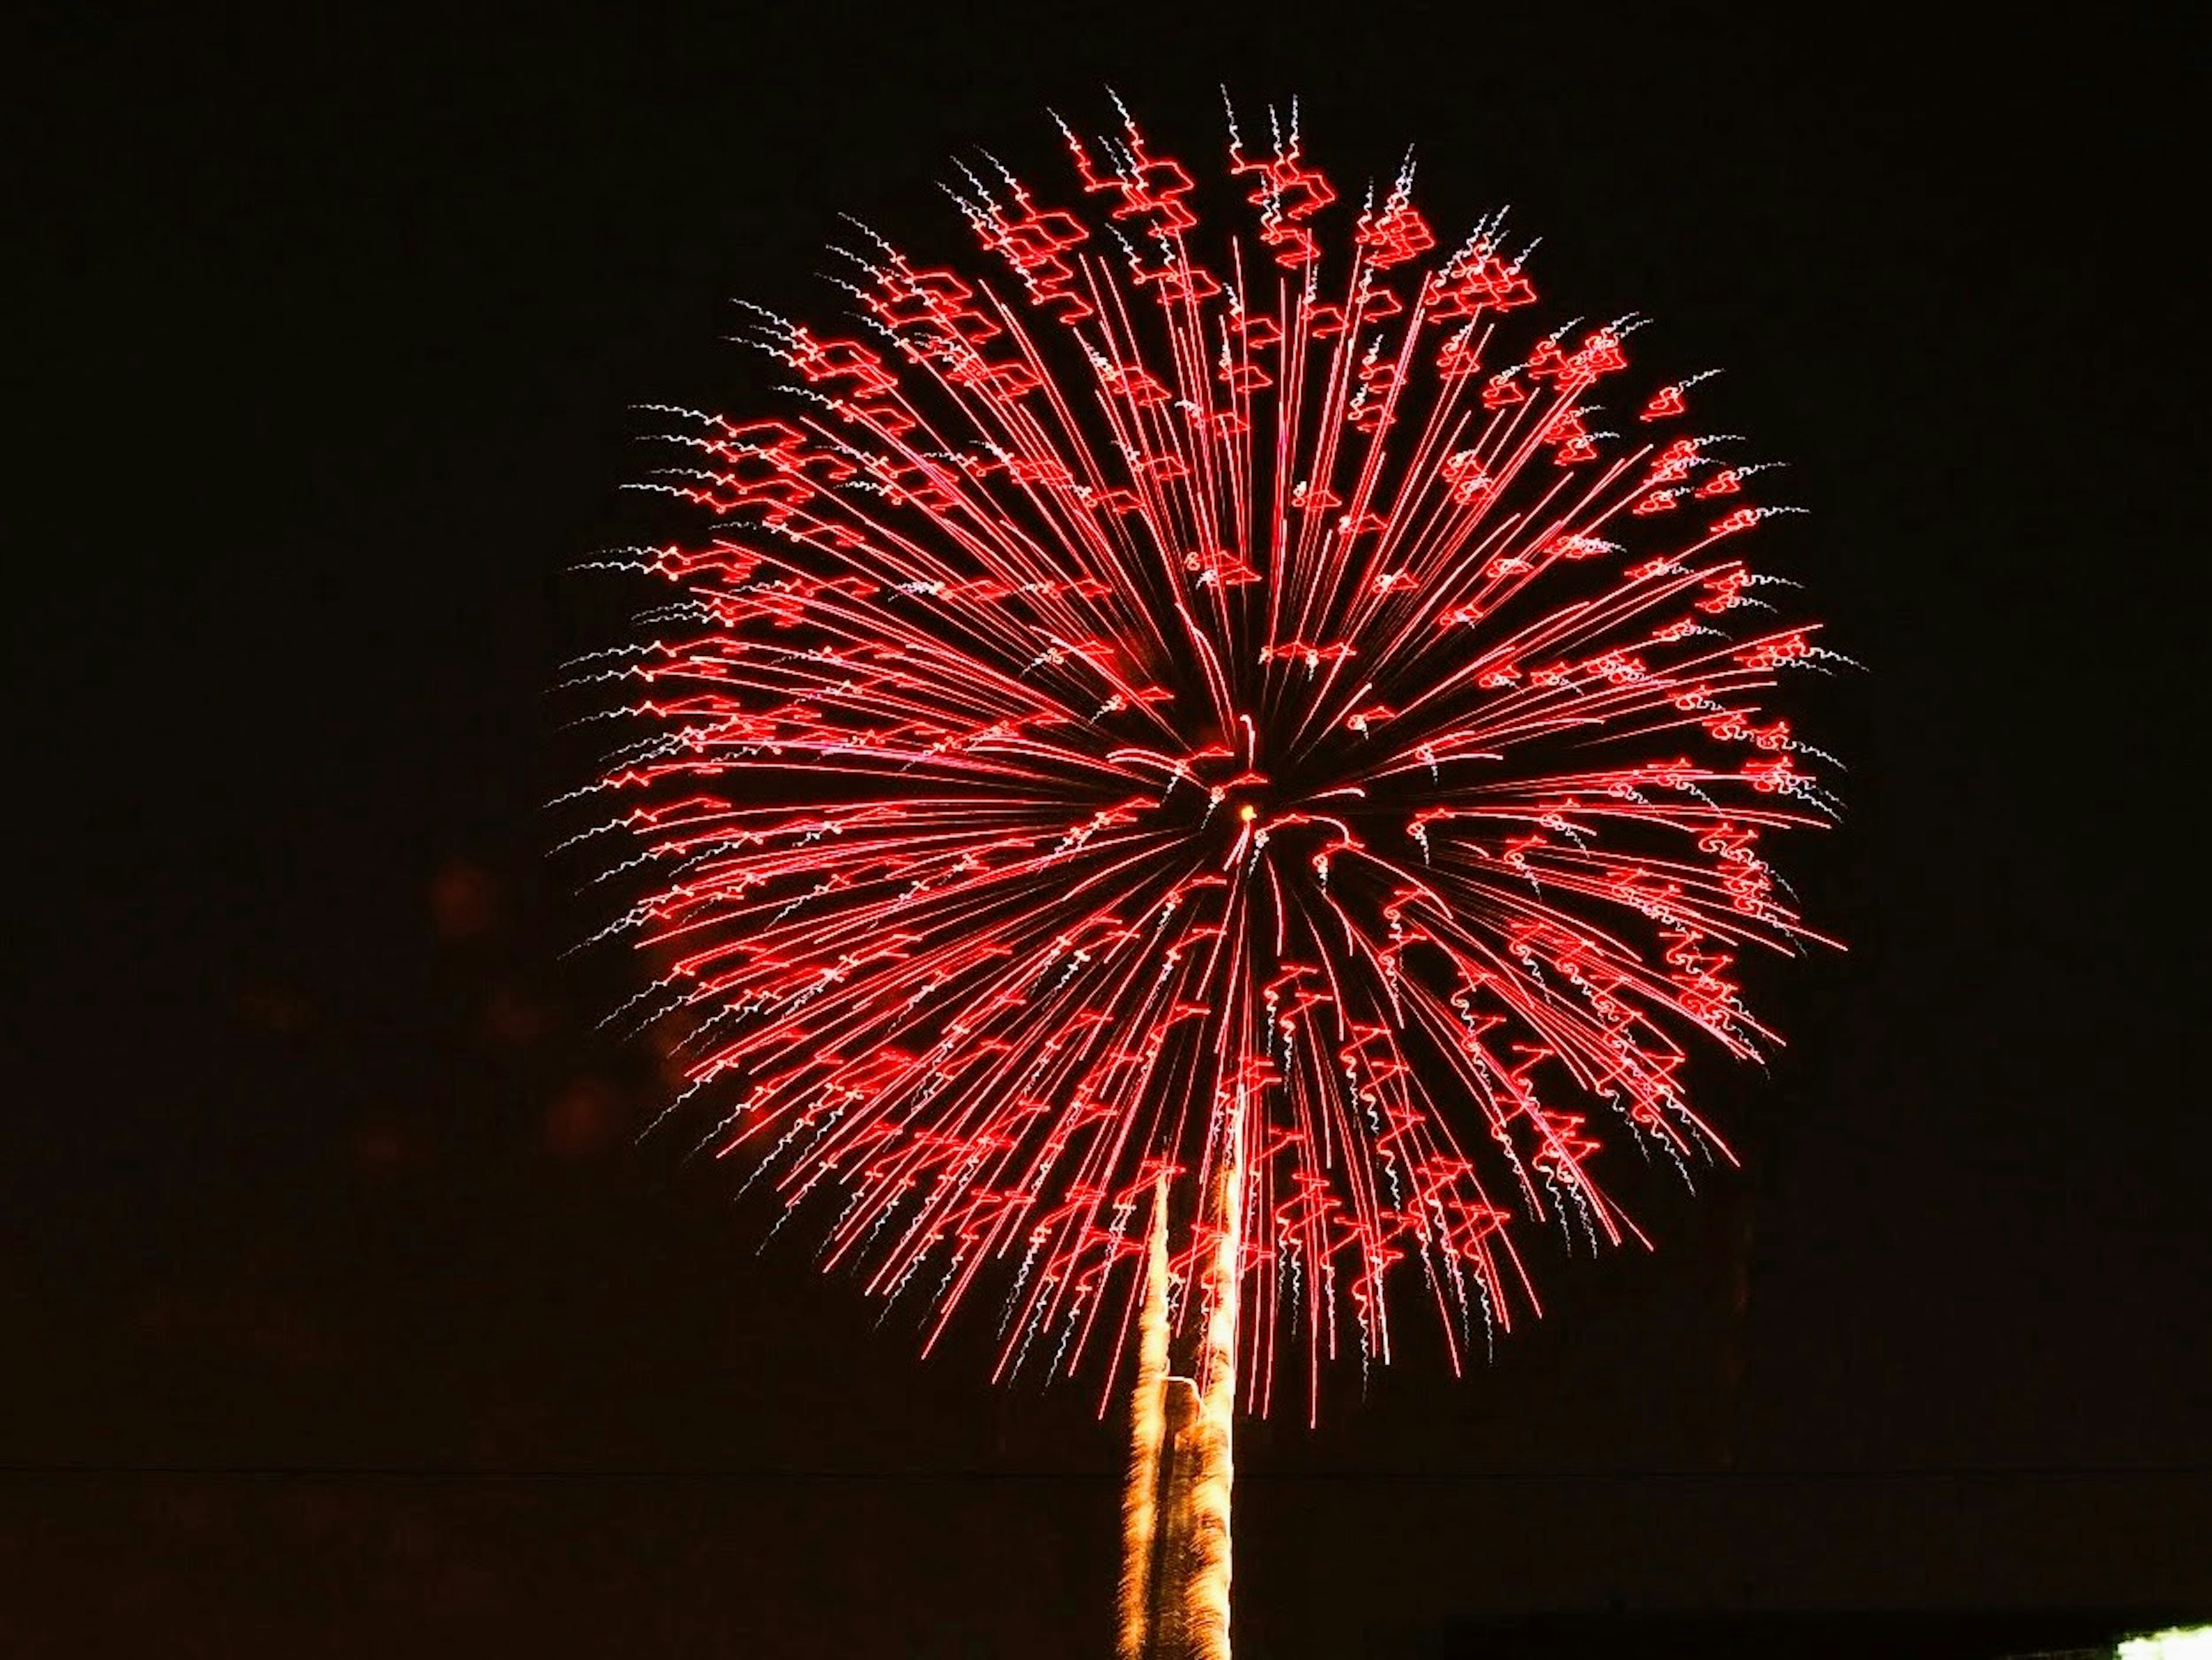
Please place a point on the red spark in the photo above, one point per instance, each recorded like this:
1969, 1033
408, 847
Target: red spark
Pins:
1177, 694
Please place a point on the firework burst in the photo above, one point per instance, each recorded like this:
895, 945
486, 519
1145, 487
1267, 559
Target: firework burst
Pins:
1155, 703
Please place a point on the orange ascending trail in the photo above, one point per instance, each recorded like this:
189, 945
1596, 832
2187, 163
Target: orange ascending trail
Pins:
1176, 1512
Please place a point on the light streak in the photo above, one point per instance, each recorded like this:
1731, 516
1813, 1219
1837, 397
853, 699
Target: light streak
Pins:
1156, 702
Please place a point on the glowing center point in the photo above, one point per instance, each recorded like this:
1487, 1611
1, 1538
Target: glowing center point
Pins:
1248, 812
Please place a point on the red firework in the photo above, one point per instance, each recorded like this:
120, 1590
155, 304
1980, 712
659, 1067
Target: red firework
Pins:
1157, 697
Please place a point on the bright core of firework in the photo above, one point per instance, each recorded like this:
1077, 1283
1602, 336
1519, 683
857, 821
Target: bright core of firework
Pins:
1150, 687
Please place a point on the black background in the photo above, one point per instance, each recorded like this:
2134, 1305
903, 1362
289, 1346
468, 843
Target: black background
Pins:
347, 1314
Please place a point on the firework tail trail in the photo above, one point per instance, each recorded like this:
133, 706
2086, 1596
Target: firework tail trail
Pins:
1176, 1541
1208, 1440
1156, 685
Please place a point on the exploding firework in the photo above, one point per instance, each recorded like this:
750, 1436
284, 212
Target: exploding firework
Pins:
1156, 704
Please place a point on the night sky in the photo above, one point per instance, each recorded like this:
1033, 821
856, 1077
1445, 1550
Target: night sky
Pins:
348, 1315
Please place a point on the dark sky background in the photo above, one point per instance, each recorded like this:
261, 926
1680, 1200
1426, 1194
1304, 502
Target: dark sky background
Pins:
347, 1315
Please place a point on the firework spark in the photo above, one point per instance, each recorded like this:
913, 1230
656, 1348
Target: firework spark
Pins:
1155, 703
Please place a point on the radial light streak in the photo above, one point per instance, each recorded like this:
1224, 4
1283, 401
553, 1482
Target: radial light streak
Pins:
1156, 702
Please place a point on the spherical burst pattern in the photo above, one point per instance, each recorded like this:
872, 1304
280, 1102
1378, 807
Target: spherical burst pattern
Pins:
1154, 694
